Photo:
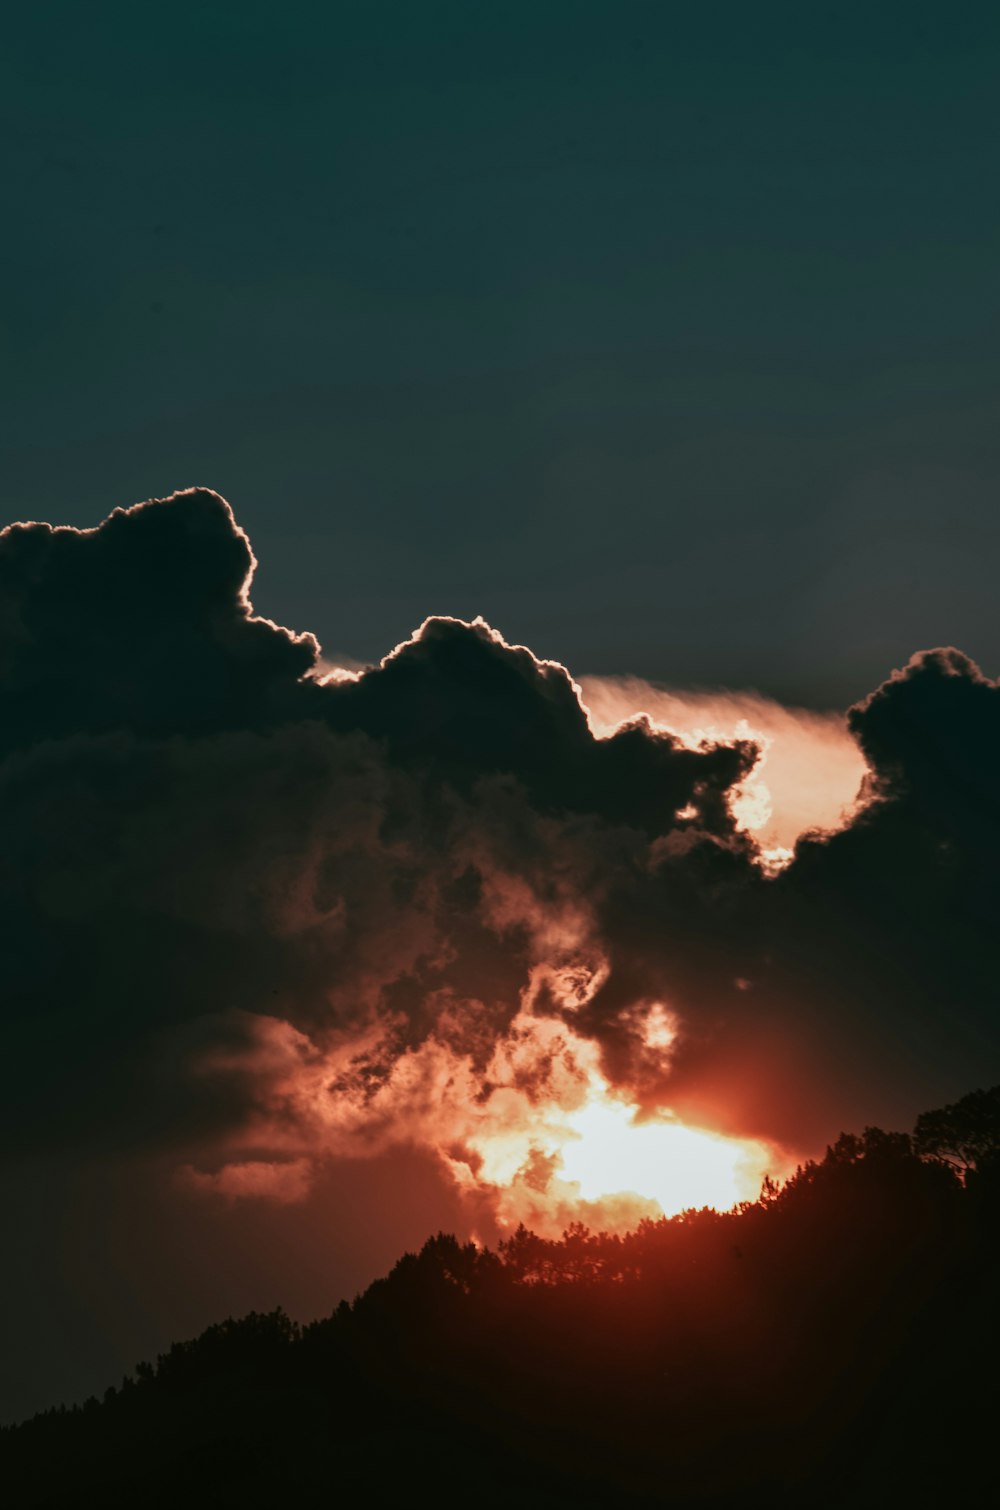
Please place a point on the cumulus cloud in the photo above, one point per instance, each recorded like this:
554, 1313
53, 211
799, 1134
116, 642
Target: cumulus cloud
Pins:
143, 624
257, 917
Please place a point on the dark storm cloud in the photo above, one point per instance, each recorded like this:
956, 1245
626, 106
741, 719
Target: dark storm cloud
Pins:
910, 891
458, 699
140, 625
206, 847
869, 966
235, 896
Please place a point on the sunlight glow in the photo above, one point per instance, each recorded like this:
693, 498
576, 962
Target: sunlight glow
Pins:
808, 777
676, 1166
550, 1143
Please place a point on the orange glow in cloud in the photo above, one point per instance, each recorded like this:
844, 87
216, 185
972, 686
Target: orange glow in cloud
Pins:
808, 776
535, 1134
285, 1183
536, 1137
583, 1155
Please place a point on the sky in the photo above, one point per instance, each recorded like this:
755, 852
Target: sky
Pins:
512, 764
664, 337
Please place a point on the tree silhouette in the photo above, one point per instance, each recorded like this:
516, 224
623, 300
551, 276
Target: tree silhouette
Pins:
965, 1135
639, 1369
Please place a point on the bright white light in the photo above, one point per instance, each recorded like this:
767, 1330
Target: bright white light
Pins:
678, 1167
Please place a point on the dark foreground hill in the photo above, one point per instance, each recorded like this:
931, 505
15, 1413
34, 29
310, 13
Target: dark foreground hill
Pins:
834, 1344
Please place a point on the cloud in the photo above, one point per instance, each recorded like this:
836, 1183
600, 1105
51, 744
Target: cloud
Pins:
459, 698
256, 919
253, 1179
874, 987
910, 889
142, 624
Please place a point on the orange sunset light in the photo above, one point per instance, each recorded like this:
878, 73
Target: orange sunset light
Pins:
678, 1167
591, 1158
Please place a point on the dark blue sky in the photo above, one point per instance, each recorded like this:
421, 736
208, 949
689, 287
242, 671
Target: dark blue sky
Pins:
665, 337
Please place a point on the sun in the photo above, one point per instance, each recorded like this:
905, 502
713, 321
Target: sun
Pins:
608, 1153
